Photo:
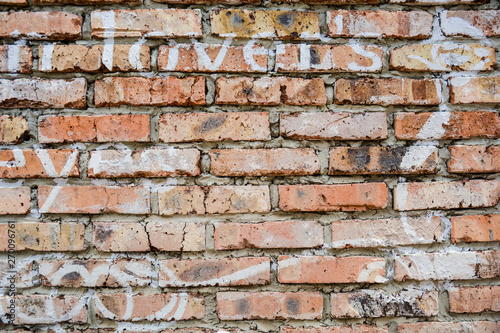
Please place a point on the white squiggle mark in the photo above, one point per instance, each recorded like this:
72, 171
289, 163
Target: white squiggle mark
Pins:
134, 54
47, 58
13, 58
108, 24
19, 160
459, 26
204, 60
363, 51
46, 161
249, 51
371, 268
50, 199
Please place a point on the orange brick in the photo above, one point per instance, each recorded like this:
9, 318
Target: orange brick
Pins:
39, 163
13, 129
474, 299
85, 2
467, 326
14, 2
16, 59
229, 2
175, 236
466, 90
474, 159
336, 329
15, 200
120, 237
471, 23
475, 228
330, 2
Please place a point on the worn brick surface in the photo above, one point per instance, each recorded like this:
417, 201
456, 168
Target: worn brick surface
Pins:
16, 59
15, 200
39, 163
474, 159
474, 299
467, 326
12, 129
471, 23
464, 90
20, 278
475, 228
335, 329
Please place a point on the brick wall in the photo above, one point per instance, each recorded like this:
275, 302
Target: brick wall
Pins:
292, 166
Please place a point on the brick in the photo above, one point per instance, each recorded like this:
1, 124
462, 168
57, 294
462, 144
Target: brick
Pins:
85, 2
13, 275
107, 128
95, 273
474, 299
120, 237
185, 200
40, 25
210, 58
16, 59
229, 2
205, 330
269, 305
15, 200
144, 163
388, 91
336, 329
46, 237
474, 159
151, 23
305, 58
93, 199
165, 307
13, 129
235, 126
142, 91
14, 2
93, 59
466, 90
329, 198
175, 236
268, 235
24, 93
471, 23
385, 232
475, 228
446, 195
446, 125
323, 269
267, 24
264, 162
215, 272
270, 91
383, 160
379, 23
330, 2
39, 163
334, 126
378, 303
468, 326
443, 58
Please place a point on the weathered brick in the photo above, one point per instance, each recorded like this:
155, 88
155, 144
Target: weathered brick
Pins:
213, 200
107, 128
93, 59
336, 329
471, 23
388, 91
443, 58
229, 2
16, 59
139, 91
466, 90
475, 228
39, 163
385, 232
245, 23
27, 93
270, 91
334, 126
446, 125
446, 195
144, 163
467, 326
165, 307
205, 330
322, 269
268, 235
209, 58
215, 272
383, 160
95, 273
330, 2
46, 237
93, 199
327, 198
153, 23
378, 303
474, 159
120, 237
41, 25
16, 275
14, 2
269, 305
175, 236
264, 162
328, 58
474, 299
379, 23
13, 129
15, 200
85, 2
235, 126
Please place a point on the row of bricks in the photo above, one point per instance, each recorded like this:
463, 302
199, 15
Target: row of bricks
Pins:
172, 91
251, 305
190, 237
199, 200
251, 58
244, 23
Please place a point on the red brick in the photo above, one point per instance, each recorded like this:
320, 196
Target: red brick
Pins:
93, 199
41, 25
85, 2
330, 2
269, 305
120, 237
175, 236
388, 91
205, 330
468, 326
466, 90
336, 329
474, 299
14, 2
263, 162
229, 2
16, 59
328, 198
215, 272
58, 94
446, 125
471, 23
107, 128
235, 126
141, 91
164, 307
268, 235
475, 228
12, 129
15, 200
39, 163
334, 126
474, 159
379, 23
